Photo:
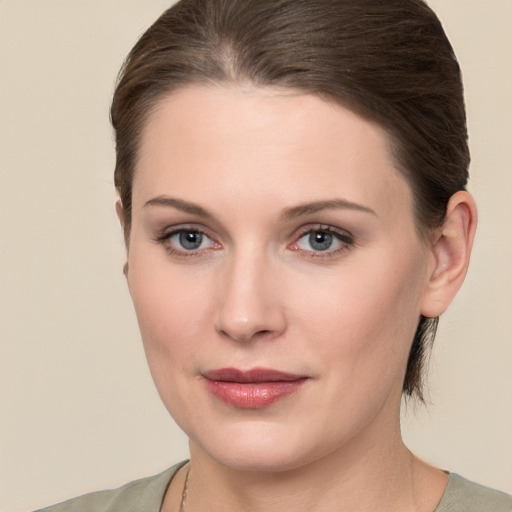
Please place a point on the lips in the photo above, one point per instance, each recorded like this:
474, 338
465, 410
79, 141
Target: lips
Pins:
252, 389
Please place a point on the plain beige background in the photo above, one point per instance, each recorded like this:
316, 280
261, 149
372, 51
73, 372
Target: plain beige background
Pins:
78, 410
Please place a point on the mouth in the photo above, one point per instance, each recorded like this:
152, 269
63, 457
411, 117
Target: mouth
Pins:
252, 389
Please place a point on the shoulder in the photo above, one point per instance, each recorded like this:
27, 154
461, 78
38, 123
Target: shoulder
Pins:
145, 495
462, 495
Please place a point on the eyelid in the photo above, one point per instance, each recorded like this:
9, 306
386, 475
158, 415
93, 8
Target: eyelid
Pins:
342, 233
343, 236
163, 237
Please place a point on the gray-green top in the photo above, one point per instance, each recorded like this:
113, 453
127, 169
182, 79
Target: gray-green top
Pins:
147, 494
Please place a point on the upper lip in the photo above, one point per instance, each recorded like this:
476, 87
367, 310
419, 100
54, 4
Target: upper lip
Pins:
254, 375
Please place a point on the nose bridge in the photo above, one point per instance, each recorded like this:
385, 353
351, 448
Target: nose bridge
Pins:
249, 305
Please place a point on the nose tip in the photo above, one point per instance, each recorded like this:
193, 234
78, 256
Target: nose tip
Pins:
249, 306
246, 328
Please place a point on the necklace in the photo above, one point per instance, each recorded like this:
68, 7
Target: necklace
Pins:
184, 493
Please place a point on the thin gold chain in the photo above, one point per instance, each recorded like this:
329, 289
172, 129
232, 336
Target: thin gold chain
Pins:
184, 493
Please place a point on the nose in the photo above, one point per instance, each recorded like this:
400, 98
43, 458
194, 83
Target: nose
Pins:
249, 305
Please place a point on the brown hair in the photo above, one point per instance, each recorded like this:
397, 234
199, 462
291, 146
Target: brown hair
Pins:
388, 60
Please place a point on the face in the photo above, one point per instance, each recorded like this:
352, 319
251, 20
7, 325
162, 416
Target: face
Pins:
276, 272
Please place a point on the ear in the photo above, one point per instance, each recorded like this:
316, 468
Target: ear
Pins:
121, 217
451, 250
120, 212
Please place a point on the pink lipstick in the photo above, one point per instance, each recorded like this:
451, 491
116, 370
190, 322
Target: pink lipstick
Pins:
252, 389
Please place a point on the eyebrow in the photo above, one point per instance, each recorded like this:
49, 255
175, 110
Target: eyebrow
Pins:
332, 204
288, 214
179, 204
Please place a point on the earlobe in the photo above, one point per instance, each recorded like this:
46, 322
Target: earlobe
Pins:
451, 251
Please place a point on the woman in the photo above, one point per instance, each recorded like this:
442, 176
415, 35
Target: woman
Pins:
292, 192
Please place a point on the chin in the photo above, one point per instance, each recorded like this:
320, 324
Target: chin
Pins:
258, 447
259, 460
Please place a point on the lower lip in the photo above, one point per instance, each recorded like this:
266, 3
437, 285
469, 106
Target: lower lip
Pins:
253, 395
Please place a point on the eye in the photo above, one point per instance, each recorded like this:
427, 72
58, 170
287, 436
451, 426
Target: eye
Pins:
189, 240
317, 240
323, 240
186, 241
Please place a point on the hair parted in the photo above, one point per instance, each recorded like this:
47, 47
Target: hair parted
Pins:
387, 60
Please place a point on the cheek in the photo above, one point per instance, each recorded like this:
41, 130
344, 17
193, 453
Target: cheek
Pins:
170, 312
170, 308
364, 316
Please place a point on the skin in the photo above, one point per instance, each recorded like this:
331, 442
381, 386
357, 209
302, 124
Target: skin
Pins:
238, 164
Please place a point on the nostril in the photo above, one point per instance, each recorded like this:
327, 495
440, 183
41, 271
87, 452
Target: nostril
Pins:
247, 335
262, 333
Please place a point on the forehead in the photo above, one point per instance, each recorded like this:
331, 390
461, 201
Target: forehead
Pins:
222, 140
281, 116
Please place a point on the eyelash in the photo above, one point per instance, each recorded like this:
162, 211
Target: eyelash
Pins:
164, 238
343, 237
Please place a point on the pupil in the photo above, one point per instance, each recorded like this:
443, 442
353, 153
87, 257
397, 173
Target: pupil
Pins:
320, 240
191, 240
